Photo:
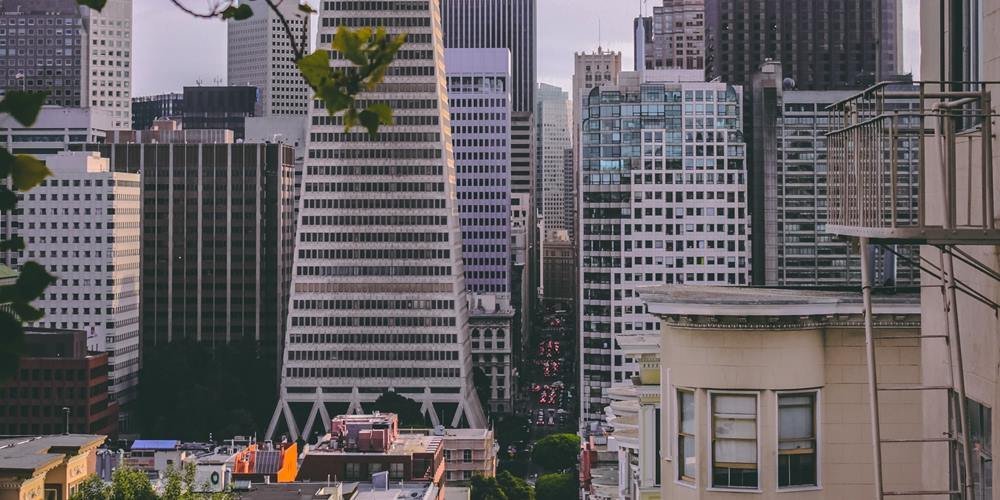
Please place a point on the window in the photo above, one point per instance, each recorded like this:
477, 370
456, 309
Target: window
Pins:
796, 440
734, 440
687, 461
352, 471
466, 456
395, 471
981, 434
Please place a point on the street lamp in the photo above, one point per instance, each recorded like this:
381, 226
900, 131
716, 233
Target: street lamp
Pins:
65, 410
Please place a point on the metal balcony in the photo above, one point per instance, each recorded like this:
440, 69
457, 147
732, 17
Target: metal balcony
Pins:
913, 162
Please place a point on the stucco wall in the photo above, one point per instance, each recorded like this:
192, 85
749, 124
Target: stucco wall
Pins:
830, 359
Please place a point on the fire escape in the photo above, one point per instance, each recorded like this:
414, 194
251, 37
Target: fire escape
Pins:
874, 136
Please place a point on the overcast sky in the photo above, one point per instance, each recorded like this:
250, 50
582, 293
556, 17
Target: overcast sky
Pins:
173, 49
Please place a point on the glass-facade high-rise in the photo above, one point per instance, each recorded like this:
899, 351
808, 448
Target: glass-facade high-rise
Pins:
664, 200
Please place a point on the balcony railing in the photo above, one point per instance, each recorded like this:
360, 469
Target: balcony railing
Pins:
913, 162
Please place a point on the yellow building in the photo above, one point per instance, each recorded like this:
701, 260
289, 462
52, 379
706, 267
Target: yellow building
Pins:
765, 391
46, 467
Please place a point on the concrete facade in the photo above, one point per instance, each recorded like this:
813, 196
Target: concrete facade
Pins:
663, 200
781, 354
89, 239
260, 54
479, 97
363, 274
978, 325
553, 135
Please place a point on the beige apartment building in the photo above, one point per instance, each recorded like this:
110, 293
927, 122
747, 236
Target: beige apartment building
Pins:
959, 42
765, 391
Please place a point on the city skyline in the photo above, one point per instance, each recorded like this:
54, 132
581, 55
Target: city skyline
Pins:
568, 30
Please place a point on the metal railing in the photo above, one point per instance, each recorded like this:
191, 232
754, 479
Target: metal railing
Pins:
913, 162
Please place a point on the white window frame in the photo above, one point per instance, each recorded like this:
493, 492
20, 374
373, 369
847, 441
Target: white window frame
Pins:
711, 431
818, 421
675, 433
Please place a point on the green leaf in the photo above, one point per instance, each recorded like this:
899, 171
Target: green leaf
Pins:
350, 118
11, 344
32, 280
14, 244
304, 7
350, 44
383, 111
27, 313
6, 160
315, 68
93, 4
23, 106
27, 172
8, 200
238, 13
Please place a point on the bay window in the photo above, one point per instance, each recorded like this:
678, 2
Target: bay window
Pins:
734, 441
797, 440
687, 463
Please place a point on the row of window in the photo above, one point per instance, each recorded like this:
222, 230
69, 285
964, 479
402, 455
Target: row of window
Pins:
376, 355
368, 373
371, 321
373, 338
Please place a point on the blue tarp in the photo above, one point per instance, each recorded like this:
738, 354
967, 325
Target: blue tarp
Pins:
155, 444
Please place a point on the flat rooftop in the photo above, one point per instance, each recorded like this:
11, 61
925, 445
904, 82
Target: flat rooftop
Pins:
405, 444
28, 454
700, 300
318, 491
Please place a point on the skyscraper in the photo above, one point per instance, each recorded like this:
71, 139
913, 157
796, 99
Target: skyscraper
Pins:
663, 186
479, 99
217, 240
791, 147
378, 292
821, 45
87, 234
677, 40
497, 24
82, 56
507, 24
261, 55
553, 132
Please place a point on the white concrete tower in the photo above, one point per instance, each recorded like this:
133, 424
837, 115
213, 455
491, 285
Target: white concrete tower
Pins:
378, 292
261, 55
87, 235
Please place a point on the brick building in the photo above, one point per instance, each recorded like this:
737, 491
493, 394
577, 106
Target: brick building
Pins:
57, 372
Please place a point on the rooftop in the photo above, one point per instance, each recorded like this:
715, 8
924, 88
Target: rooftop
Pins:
770, 301
324, 491
155, 444
404, 444
29, 454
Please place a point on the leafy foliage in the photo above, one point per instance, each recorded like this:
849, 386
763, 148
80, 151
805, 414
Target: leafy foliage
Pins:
19, 173
486, 488
481, 381
371, 52
561, 486
405, 408
239, 12
132, 484
93, 4
556, 452
514, 487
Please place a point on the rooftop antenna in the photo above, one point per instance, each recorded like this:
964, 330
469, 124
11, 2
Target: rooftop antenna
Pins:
598, 35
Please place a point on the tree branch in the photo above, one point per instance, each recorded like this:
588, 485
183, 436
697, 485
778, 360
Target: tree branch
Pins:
299, 49
214, 13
